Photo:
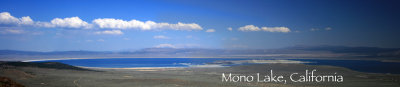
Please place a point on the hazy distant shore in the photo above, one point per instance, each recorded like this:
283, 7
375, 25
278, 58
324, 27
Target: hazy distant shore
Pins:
45, 59
299, 52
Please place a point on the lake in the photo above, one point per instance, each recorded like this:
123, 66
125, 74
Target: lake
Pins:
358, 65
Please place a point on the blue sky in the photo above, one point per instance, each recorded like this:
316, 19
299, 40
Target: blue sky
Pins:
115, 25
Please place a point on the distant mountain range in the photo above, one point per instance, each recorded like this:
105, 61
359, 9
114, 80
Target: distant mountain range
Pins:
294, 51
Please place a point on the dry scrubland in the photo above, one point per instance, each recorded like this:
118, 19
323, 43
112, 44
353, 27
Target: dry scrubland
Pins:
34, 76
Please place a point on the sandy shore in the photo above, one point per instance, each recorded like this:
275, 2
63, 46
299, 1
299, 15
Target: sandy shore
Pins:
187, 77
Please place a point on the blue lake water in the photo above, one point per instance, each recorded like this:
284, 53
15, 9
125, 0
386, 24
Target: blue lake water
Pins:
358, 65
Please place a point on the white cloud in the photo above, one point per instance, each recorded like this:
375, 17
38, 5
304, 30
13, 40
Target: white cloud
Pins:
249, 28
328, 28
165, 46
160, 37
148, 25
267, 29
317, 29
210, 30
230, 28
314, 29
99, 23
72, 22
7, 18
276, 29
121, 24
26, 20
111, 32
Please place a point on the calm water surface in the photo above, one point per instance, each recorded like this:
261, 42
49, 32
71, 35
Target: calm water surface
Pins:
358, 65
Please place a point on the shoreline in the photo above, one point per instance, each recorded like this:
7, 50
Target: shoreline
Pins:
133, 68
224, 63
34, 60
